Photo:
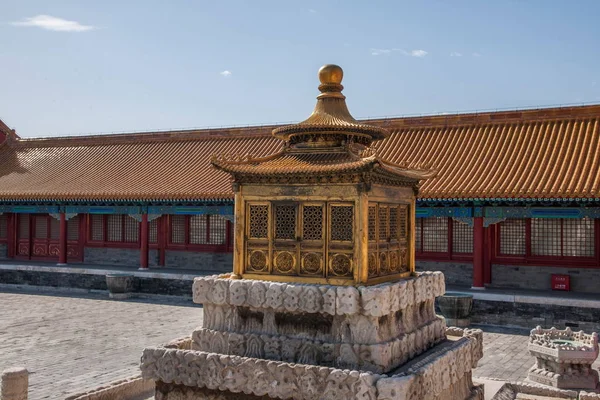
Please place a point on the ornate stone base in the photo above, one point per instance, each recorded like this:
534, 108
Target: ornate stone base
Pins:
170, 391
442, 373
589, 380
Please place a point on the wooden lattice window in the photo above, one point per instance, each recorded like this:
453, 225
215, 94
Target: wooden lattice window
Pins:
372, 222
23, 226
178, 229
217, 230
285, 221
131, 229
462, 238
546, 237
342, 223
54, 228
435, 235
3, 226
41, 227
198, 229
383, 223
419, 235
153, 231
97, 227
114, 228
403, 222
259, 221
394, 235
512, 237
578, 237
312, 223
73, 228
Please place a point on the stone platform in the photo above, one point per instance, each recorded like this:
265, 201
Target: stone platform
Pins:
441, 373
312, 341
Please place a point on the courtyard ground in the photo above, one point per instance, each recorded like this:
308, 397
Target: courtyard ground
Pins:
73, 342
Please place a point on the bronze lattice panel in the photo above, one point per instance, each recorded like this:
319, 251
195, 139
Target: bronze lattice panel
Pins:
383, 223
284, 262
257, 261
403, 222
340, 265
312, 264
342, 218
259, 221
285, 222
394, 222
372, 264
372, 223
312, 223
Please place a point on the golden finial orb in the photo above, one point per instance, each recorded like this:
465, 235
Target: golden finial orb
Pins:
331, 73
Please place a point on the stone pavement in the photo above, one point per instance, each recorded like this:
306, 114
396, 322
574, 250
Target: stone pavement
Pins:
74, 342
71, 344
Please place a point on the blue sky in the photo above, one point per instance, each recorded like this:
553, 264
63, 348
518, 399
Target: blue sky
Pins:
75, 67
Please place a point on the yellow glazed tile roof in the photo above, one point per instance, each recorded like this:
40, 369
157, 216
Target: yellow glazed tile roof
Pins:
551, 153
547, 153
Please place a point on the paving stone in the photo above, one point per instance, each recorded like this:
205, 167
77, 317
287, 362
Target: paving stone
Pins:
71, 344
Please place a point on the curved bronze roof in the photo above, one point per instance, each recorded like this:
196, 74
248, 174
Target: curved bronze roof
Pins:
331, 115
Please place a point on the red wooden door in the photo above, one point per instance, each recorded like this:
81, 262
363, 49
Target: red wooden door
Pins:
23, 236
38, 238
44, 237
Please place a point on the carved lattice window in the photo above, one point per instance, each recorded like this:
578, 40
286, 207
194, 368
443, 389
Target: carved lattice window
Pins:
54, 228
23, 226
218, 229
73, 228
342, 223
259, 221
372, 223
97, 227
312, 223
394, 223
435, 234
153, 231
285, 222
512, 237
198, 229
462, 238
3, 226
383, 223
131, 229
403, 222
178, 229
41, 227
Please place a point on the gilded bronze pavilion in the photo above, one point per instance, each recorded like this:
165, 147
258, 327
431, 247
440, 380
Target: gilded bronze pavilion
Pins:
325, 208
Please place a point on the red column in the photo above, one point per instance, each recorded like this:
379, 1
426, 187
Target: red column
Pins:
487, 255
144, 242
62, 240
11, 235
478, 253
162, 239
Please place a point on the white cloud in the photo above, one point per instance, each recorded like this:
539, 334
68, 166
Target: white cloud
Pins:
225, 73
418, 53
455, 54
378, 52
387, 52
476, 55
53, 24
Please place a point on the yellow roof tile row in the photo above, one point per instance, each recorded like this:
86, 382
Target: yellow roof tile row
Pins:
549, 153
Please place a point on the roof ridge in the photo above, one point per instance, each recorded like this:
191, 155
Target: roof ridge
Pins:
493, 117
146, 137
